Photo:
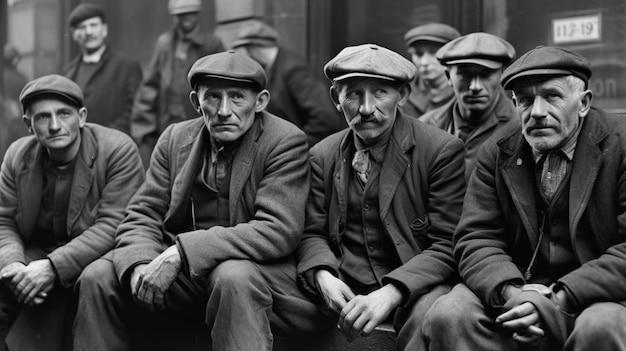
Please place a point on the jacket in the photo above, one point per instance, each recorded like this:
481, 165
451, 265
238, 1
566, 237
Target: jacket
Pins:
498, 230
110, 91
267, 195
420, 197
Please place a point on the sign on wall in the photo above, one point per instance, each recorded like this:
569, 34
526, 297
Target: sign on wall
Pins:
579, 29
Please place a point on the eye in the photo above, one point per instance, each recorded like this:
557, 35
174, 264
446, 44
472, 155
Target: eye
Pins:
236, 96
41, 118
524, 101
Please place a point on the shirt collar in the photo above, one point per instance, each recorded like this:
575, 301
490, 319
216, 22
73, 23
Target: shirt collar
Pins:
377, 150
95, 56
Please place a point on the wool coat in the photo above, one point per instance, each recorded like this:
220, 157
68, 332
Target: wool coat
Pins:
420, 197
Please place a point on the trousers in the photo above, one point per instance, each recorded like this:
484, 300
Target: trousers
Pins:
241, 302
458, 321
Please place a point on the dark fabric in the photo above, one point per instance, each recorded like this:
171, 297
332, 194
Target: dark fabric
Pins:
209, 207
421, 187
109, 92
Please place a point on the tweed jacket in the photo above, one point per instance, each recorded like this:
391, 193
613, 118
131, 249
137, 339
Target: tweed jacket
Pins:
107, 173
267, 195
420, 197
503, 114
110, 91
301, 98
498, 230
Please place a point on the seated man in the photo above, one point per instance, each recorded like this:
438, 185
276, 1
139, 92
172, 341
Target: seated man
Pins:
378, 231
212, 230
64, 191
541, 243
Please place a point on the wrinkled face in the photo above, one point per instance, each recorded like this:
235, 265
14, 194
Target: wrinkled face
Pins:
551, 110
228, 107
369, 105
423, 57
476, 87
90, 34
186, 21
56, 124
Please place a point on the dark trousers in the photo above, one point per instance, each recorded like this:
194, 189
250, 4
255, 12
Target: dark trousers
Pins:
241, 302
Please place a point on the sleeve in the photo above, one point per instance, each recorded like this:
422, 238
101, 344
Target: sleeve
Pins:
131, 81
11, 244
124, 175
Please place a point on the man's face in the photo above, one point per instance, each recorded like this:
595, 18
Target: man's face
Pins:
423, 57
228, 108
186, 21
90, 34
476, 87
551, 111
56, 124
369, 105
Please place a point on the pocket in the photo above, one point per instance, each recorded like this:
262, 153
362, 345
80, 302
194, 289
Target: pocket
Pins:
420, 225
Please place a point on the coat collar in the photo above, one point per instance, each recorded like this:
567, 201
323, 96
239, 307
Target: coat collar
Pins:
72, 68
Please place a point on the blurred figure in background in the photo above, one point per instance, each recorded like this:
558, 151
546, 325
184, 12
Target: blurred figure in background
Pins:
297, 94
431, 88
10, 110
108, 78
163, 97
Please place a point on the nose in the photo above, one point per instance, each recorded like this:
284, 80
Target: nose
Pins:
423, 60
54, 125
225, 109
367, 105
539, 108
476, 84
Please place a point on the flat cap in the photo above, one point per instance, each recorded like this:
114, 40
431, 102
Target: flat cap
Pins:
478, 48
176, 7
228, 65
547, 61
435, 32
52, 84
369, 60
257, 33
85, 10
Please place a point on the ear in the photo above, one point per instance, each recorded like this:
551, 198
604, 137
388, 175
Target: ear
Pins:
262, 99
334, 95
28, 123
82, 115
585, 103
105, 29
195, 101
405, 91
514, 98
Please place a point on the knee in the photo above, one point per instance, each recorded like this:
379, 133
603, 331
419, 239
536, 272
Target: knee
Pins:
600, 322
234, 274
98, 276
446, 311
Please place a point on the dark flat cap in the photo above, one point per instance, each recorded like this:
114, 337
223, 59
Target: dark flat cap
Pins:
228, 65
52, 84
257, 33
435, 32
547, 61
478, 48
85, 10
369, 60
176, 7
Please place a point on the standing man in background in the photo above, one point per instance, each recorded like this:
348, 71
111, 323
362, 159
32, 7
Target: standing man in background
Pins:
108, 78
430, 88
163, 97
297, 94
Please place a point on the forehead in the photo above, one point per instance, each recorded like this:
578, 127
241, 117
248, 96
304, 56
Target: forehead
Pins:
365, 82
424, 45
220, 84
47, 103
90, 21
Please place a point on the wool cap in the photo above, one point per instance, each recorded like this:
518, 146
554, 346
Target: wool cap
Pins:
547, 61
478, 48
228, 65
257, 33
434, 32
176, 7
369, 60
52, 84
84, 11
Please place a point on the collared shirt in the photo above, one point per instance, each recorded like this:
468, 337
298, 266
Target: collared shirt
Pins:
217, 161
461, 127
95, 56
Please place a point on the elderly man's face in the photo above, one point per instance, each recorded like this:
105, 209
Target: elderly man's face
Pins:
228, 107
90, 34
56, 124
476, 87
370, 105
423, 57
551, 110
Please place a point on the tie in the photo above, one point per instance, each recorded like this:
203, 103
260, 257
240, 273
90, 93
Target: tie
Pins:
552, 173
361, 164
464, 132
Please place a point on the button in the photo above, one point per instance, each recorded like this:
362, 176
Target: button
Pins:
366, 207
371, 248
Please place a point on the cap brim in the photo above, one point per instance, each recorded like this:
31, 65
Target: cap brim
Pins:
535, 72
255, 41
477, 61
427, 38
29, 98
360, 74
215, 76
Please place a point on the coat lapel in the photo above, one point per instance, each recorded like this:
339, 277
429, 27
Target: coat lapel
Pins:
82, 178
31, 184
242, 166
395, 164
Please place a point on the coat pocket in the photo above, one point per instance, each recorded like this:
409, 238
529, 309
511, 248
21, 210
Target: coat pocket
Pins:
420, 225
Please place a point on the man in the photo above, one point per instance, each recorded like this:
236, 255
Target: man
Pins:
540, 243
64, 191
213, 228
108, 78
163, 96
474, 65
10, 109
430, 89
385, 197
297, 95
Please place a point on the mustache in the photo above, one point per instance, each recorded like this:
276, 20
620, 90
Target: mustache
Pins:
358, 119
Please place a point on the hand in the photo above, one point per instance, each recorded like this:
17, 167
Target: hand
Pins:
523, 320
32, 283
364, 312
150, 282
333, 290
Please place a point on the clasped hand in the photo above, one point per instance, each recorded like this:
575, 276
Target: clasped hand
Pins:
30, 283
149, 282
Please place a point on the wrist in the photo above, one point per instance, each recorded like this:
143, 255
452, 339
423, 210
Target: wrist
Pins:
509, 290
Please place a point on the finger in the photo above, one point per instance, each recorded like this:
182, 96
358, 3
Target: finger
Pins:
516, 312
369, 328
521, 323
357, 326
525, 338
159, 300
